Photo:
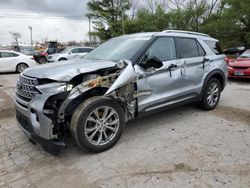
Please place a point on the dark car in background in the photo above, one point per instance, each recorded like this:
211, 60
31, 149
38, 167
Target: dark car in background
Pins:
234, 52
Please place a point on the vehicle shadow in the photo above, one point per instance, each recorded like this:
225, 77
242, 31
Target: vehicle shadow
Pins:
239, 80
8, 73
139, 126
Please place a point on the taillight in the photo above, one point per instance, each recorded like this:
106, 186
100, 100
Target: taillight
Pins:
227, 59
32, 58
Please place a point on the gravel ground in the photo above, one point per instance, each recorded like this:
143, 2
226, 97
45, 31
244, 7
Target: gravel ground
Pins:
181, 147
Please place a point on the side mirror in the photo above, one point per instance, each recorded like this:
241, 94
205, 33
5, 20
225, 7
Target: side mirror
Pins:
70, 53
152, 62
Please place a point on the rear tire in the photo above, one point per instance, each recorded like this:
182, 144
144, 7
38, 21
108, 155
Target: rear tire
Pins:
211, 94
97, 124
21, 67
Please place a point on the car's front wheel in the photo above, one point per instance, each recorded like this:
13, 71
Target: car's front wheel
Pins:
211, 94
97, 124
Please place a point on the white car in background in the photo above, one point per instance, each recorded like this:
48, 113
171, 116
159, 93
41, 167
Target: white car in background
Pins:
11, 61
70, 53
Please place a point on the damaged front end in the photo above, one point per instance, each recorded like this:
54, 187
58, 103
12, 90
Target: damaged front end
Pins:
45, 117
119, 84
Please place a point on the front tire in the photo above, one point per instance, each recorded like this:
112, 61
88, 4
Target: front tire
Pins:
97, 124
211, 94
21, 67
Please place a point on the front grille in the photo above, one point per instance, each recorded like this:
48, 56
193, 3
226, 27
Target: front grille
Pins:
25, 88
243, 68
24, 122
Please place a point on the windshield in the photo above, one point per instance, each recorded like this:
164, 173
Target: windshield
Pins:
118, 48
65, 50
246, 54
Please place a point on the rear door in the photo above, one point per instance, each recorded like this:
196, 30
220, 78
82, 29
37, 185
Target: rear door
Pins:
193, 60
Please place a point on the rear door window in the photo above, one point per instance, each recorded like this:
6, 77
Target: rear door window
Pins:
189, 48
214, 45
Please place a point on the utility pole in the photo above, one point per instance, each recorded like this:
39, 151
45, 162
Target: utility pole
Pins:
31, 41
123, 26
89, 17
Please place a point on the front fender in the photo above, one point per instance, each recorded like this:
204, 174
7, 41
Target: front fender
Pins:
128, 75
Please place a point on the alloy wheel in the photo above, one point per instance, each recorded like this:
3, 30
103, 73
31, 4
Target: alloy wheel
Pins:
101, 125
213, 94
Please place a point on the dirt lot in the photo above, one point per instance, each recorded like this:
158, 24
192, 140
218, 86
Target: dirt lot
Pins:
182, 147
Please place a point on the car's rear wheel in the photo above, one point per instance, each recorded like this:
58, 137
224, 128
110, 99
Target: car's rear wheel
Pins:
97, 124
21, 67
211, 94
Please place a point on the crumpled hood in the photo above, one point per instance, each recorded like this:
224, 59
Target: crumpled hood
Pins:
65, 71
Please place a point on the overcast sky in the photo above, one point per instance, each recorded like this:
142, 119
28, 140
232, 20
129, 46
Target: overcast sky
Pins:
63, 20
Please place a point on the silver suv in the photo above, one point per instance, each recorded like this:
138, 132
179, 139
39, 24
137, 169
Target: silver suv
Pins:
125, 78
69, 53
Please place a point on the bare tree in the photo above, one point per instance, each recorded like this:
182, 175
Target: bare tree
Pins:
177, 4
214, 5
135, 4
16, 36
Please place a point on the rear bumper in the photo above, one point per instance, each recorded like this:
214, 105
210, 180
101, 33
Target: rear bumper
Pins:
51, 146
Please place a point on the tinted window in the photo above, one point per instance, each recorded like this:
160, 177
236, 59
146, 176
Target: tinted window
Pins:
163, 49
189, 48
214, 46
88, 49
84, 50
76, 50
9, 54
200, 49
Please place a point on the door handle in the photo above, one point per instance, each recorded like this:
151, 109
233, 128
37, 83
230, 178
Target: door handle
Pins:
172, 66
204, 61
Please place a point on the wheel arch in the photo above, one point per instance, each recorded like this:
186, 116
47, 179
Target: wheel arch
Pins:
214, 74
20, 64
71, 105
62, 59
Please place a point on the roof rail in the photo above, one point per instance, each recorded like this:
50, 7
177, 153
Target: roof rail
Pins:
186, 32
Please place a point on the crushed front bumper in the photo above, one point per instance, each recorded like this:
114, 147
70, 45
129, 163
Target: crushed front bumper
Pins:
37, 126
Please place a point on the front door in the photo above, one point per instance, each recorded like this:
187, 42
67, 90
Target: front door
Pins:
161, 86
7, 60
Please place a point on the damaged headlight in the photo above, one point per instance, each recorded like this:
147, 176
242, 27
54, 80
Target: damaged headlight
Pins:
55, 87
66, 87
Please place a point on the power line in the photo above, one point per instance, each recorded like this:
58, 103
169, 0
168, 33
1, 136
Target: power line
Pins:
46, 9
40, 17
